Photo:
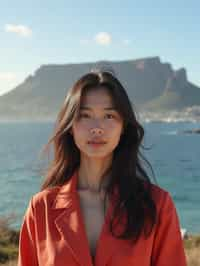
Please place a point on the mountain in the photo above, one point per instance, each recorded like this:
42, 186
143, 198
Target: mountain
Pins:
177, 94
151, 85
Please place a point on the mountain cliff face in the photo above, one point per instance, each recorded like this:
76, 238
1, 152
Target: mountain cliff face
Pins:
151, 85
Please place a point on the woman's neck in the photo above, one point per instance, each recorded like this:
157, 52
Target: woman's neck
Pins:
90, 174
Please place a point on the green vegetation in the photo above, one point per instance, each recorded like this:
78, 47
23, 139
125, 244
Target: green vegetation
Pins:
9, 240
166, 101
193, 241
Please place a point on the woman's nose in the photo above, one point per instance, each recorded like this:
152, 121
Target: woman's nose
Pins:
96, 130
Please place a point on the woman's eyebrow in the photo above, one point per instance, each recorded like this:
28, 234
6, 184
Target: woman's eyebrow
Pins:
105, 108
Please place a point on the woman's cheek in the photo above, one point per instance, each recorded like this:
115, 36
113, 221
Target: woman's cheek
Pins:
81, 126
115, 125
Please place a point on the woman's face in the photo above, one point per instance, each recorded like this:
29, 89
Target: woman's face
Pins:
98, 128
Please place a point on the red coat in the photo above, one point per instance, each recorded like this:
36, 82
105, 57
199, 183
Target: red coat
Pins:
53, 234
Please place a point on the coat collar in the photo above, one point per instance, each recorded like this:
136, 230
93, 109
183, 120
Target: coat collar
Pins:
70, 224
66, 192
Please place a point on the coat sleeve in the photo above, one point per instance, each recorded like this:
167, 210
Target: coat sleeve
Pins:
168, 248
27, 246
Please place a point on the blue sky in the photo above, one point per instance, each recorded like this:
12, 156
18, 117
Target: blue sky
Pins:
33, 33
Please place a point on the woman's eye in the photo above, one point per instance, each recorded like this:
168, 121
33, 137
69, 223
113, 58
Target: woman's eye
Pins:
83, 115
110, 116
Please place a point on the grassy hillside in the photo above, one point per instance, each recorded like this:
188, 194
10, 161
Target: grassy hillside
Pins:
166, 101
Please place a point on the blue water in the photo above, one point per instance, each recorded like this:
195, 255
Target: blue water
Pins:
173, 156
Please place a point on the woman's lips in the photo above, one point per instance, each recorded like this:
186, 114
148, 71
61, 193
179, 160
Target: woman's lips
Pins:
96, 143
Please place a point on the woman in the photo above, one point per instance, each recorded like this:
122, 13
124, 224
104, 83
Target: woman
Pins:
97, 205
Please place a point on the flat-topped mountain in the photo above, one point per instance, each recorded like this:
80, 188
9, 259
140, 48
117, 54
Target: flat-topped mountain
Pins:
151, 85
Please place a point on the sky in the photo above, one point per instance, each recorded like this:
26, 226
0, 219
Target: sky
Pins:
35, 33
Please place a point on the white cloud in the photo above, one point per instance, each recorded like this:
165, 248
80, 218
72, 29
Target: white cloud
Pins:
22, 30
103, 38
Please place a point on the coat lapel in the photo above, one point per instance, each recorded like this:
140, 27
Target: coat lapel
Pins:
109, 246
69, 222
71, 226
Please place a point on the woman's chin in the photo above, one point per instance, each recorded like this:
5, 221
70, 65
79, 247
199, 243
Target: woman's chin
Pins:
98, 154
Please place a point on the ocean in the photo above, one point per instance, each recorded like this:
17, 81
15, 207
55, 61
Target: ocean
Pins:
174, 156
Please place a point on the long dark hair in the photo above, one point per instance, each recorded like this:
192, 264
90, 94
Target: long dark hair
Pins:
126, 172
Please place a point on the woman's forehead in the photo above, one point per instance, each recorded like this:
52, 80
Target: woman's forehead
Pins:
99, 97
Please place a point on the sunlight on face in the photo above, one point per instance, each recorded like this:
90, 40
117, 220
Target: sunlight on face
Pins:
98, 127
